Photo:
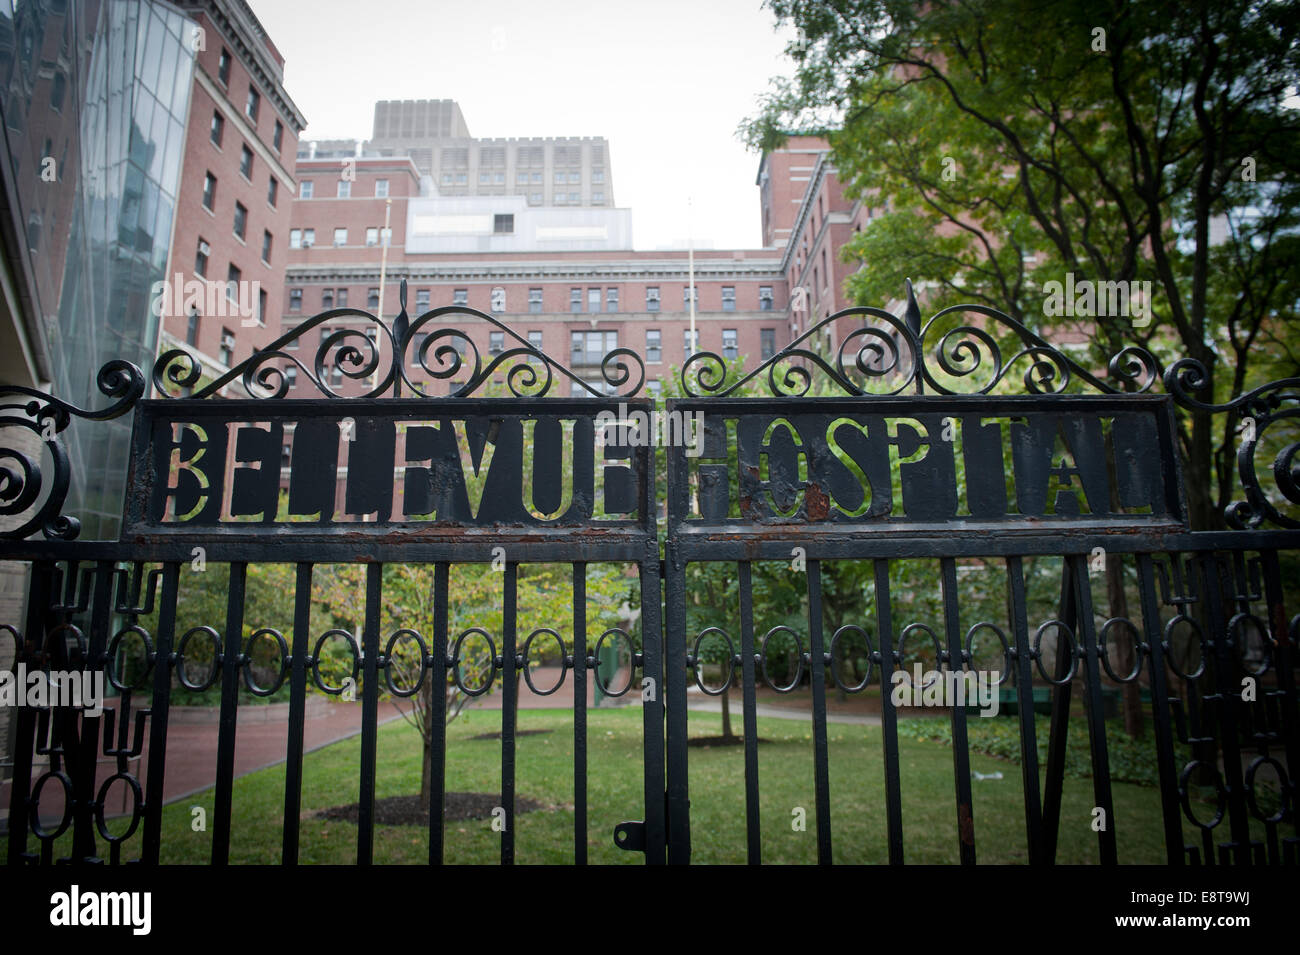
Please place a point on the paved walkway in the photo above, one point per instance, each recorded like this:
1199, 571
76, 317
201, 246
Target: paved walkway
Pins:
259, 742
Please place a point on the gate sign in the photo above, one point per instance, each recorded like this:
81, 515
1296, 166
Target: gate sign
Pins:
360, 465
971, 463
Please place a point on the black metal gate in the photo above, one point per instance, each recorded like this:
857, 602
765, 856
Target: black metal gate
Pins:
910, 452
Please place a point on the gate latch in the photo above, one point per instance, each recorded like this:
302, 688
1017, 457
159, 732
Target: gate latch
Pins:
630, 836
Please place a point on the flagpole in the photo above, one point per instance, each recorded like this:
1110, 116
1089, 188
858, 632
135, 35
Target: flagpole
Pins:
690, 257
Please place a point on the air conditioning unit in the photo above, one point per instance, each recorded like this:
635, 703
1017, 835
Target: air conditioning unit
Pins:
203, 248
307, 243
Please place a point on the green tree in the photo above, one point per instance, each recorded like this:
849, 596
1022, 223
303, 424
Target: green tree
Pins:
1112, 141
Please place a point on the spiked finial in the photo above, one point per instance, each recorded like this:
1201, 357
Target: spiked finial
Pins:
913, 310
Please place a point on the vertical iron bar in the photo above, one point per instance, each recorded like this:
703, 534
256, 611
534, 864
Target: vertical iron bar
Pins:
369, 712
888, 715
960, 744
747, 676
39, 599
162, 691
652, 703
1160, 712
821, 757
297, 713
509, 714
438, 739
230, 666
579, 713
1215, 572
1025, 704
1095, 710
1058, 729
1284, 667
679, 826
85, 748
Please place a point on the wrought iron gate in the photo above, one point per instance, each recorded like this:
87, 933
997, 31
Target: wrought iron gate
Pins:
909, 444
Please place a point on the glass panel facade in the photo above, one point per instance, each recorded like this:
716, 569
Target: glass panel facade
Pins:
99, 231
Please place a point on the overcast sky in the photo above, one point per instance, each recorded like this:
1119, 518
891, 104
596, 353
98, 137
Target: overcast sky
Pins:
665, 82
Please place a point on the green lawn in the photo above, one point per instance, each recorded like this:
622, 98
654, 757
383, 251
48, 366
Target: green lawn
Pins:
544, 773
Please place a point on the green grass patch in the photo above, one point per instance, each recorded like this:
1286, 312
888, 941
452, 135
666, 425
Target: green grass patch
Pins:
544, 772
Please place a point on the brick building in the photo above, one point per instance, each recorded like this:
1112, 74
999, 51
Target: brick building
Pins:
236, 193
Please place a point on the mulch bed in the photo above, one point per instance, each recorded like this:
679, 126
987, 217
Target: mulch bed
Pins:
411, 811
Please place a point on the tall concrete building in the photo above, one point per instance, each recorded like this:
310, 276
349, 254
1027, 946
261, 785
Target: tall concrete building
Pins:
546, 171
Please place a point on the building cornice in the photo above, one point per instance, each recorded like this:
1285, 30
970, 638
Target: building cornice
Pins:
538, 271
235, 20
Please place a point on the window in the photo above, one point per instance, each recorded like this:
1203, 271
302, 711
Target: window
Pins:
308, 238
277, 138
765, 298
534, 197
611, 300
559, 179
537, 177
305, 189
227, 354
241, 219
291, 344
590, 348
768, 336
372, 236
422, 299
326, 299
201, 259
728, 298
503, 224
272, 190
223, 67
729, 349
575, 198
295, 300
521, 179
559, 198
652, 345
535, 339
192, 327
340, 236
218, 128
233, 276
593, 300
251, 106
498, 300
446, 179
652, 299
598, 176
484, 178
261, 306
342, 297
690, 347
381, 188
417, 343
687, 295
535, 300
654, 388
575, 300
266, 247
461, 179
597, 198
372, 298
345, 189
575, 177
209, 191
496, 343
246, 162
291, 376
460, 296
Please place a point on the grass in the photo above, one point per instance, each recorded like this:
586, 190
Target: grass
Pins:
615, 780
